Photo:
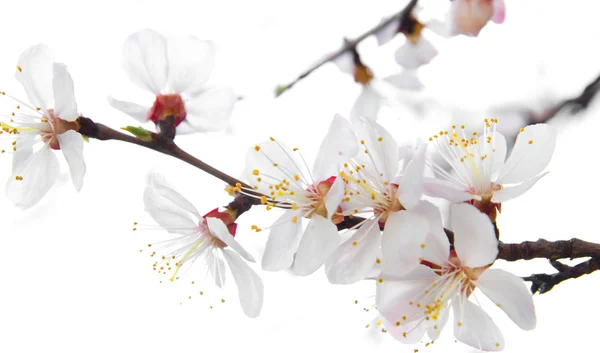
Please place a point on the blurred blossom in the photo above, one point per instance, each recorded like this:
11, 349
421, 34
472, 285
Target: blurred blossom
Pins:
175, 70
468, 17
48, 124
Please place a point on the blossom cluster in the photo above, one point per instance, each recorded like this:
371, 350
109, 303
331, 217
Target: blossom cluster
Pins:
361, 182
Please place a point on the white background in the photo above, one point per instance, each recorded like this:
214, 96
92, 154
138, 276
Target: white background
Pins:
71, 275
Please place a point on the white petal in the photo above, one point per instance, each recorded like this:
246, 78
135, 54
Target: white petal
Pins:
403, 241
345, 62
250, 286
446, 190
367, 104
474, 237
499, 11
145, 60
410, 187
190, 62
159, 183
530, 156
319, 241
338, 146
437, 244
476, 327
434, 330
39, 173
219, 229
440, 28
65, 106
334, 196
408, 332
496, 151
136, 111
282, 244
384, 155
510, 293
216, 267
395, 295
411, 56
510, 192
387, 32
406, 80
354, 259
36, 75
22, 153
71, 144
211, 110
169, 215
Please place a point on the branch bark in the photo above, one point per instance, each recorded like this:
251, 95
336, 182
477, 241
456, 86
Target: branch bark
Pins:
350, 45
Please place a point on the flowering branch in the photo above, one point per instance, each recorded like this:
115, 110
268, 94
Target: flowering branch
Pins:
542, 282
159, 142
350, 45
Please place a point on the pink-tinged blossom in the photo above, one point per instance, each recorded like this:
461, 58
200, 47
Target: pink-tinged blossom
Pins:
175, 70
202, 242
480, 171
422, 278
281, 174
376, 188
38, 129
468, 17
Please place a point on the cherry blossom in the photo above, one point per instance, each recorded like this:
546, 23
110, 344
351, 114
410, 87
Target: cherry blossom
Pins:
282, 175
202, 240
415, 296
175, 71
480, 170
375, 189
38, 129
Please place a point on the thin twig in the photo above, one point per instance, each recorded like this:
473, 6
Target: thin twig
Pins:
350, 45
542, 282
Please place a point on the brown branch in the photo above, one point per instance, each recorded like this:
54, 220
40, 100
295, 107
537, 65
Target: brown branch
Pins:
542, 282
162, 143
350, 45
575, 104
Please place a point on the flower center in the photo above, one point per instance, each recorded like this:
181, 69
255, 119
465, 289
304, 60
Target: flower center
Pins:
53, 127
167, 105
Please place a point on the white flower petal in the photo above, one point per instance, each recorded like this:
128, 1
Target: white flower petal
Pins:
159, 183
474, 236
530, 156
334, 196
410, 187
145, 60
411, 56
319, 241
437, 244
403, 241
495, 151
39, 173
338, 146
510, 192
384, 155
71, 144
250, 286
446, 190
65, 106
169, 215
367, 104
406, 80
510, 293
387, 32
354, 259
408, 332
22, 153
190, 62
211, 109
219, 229
345, 62
499, 12
395, 294
476, 327
434, 330
283, 241
216, 267
36, 75
136, 111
